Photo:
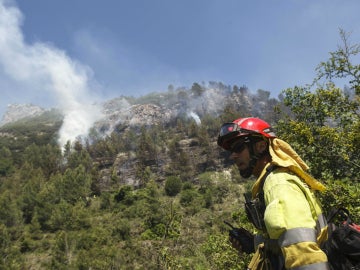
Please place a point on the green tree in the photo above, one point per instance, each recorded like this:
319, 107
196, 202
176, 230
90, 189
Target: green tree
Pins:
324, 124
47, 157
323, 130
6, 161
125, 195
74, 185
62, 251
60, 216
197, 89
173, 185
79, 156
10, 214
33, 183
10, 255
146, 154
341, 64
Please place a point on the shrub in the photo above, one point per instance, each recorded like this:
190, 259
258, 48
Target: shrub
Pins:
173, 186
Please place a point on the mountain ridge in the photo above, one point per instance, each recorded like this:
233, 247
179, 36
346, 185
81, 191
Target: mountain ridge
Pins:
156, 108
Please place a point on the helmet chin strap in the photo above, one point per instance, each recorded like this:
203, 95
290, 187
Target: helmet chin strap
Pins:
246, 173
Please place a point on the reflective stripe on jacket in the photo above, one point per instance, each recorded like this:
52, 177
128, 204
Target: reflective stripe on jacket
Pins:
292, 217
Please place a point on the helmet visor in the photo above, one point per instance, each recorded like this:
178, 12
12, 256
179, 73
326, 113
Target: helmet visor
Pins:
228, 128
233, 138
232, 128
229, 133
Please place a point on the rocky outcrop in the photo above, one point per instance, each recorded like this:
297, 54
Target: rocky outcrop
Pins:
149, 114
16, 112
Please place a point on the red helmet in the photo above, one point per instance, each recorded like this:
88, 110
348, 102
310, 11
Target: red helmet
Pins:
243, 128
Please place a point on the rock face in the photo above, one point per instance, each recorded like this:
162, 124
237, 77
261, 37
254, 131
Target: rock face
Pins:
119, 111
149, 114
16, 112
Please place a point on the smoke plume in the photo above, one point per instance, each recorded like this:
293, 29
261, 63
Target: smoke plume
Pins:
44, 70
196, 118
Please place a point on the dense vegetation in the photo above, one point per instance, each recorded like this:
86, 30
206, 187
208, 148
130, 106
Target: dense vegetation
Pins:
155, 197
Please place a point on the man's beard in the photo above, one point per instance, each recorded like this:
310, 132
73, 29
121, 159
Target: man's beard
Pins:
246, 173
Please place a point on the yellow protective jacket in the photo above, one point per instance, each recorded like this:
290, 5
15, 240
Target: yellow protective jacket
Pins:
293, 216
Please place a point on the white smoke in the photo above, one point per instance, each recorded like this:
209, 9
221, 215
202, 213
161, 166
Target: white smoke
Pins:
210, 102
47, 71
196, 118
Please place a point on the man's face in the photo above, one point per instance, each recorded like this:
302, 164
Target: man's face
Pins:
241, 158
241, 154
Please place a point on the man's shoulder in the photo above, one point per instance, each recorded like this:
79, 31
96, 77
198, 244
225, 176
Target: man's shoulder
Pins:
282, 176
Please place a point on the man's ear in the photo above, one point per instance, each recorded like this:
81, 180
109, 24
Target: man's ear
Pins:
261, 146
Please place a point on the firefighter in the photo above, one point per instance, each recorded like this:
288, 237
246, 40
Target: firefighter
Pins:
282, 206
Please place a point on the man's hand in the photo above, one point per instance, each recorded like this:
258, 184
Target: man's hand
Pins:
241, 239
235, 244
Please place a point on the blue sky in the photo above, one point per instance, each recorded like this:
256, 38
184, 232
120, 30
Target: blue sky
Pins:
53, 53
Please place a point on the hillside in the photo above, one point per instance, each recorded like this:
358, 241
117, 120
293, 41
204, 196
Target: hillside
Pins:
147, 188
147, 179
29, 124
